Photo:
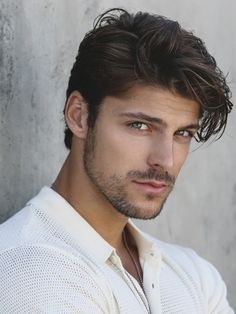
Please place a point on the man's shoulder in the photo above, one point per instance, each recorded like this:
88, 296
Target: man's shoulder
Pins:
185, 258
28, 234
34, 259
48, 277
31, 237
179, 254
12, 230
196, 270
39, 263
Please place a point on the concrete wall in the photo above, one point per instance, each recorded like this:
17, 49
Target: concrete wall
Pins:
39, 40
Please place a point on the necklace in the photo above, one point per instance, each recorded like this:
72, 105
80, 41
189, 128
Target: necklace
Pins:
132, 259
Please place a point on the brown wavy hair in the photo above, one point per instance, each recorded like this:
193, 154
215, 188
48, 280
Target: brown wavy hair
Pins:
124, 49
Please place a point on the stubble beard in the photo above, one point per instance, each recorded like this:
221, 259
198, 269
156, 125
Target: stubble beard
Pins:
114, 189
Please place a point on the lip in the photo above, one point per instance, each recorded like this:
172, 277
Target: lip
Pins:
154, 187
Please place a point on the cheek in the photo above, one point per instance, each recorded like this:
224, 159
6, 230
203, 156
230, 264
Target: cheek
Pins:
180, 155
118, 151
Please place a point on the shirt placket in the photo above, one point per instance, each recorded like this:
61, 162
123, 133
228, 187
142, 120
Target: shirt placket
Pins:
151, 270
132, 283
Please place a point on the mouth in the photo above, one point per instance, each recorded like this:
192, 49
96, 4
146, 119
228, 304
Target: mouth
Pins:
153, 187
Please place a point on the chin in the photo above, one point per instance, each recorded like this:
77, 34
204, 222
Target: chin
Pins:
145, 215
146, 212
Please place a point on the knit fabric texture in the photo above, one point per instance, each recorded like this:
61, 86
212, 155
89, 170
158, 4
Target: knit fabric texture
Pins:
53, 261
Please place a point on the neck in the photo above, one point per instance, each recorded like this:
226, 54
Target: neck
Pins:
74, 185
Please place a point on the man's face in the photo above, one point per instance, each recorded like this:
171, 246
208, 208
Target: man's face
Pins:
137, 148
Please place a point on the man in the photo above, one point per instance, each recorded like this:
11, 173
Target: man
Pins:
140, 89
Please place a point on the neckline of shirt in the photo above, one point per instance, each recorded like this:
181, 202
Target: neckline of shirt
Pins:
58, 209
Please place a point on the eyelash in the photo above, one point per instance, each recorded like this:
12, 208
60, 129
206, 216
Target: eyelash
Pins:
131, 125
190, 134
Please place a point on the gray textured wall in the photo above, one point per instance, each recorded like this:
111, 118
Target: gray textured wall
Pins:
39, 40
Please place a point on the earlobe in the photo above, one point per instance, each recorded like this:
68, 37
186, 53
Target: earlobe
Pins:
76, 114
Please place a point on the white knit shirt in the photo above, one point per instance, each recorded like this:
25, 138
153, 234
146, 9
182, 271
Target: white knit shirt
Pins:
53, 261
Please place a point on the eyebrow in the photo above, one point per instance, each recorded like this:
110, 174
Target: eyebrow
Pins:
143, 116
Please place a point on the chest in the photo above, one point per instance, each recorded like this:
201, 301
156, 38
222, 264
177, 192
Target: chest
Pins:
164, 292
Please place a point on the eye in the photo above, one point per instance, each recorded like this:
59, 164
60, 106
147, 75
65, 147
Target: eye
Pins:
185, 133
138, 125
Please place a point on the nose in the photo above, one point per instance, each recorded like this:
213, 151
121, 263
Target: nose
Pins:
161, 154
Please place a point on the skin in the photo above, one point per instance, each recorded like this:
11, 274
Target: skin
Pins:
140, 136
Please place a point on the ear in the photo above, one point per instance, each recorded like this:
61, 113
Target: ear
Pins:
76, 114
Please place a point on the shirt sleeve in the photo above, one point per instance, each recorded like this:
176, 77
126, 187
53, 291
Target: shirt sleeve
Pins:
213, 287
43, 280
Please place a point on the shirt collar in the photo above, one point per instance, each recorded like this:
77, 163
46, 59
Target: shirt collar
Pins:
58, 209
55, 206
147, 245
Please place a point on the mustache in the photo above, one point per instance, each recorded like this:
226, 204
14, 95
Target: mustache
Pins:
152, 174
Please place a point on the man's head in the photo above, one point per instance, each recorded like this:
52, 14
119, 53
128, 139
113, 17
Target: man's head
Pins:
138, 146
149, 86
124, 49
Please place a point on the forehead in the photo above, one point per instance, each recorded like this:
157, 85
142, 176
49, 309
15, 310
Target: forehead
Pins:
152, 101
